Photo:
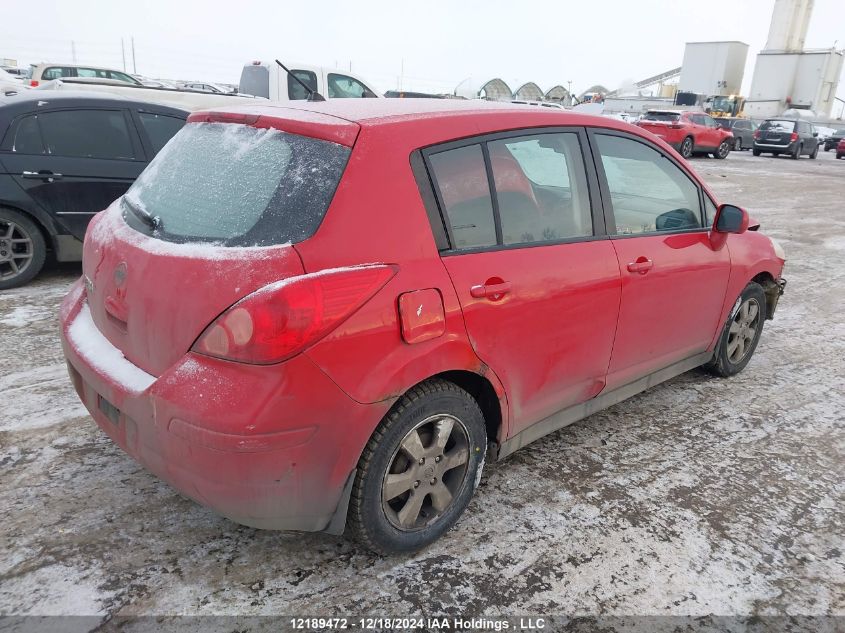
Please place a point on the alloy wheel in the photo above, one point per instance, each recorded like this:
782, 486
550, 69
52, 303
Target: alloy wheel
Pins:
724, 149
16, 249
426, 472
686, 148
743, 330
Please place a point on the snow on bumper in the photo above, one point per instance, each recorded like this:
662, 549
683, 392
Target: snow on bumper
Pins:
267, 446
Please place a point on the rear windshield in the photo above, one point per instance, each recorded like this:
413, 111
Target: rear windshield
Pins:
236, 185
661, 116
776, 125
839, 133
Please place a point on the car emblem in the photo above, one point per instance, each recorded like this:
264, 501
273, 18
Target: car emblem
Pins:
120, 274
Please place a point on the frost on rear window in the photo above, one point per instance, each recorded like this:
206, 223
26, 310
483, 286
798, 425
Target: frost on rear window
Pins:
778, 126
236, 185
661, 116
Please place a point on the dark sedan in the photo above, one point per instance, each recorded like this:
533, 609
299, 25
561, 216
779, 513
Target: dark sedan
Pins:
64, 156
833, 140
742, 129
786, 136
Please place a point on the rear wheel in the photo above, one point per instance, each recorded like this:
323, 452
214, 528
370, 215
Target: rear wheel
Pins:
723, 150
815, 153
419, 470
755, 151
22, 249
741, 333
687, 147
796, 153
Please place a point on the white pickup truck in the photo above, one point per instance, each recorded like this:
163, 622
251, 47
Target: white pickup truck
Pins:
271, 81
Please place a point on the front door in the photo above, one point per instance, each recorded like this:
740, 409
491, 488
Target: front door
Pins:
74, 163
538, 285
673, 280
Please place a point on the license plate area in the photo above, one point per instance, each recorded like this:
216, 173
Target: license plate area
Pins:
108, 409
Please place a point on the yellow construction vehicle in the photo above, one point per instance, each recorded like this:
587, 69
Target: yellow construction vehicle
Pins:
725, 106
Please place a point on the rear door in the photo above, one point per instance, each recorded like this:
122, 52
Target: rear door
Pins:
87, 159
535, 275
673, 280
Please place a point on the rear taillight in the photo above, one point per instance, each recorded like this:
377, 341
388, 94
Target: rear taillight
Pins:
676, 126
793, 137
283, 318
756, 133
33, 82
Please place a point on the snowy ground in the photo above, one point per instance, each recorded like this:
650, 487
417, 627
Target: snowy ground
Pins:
700, 496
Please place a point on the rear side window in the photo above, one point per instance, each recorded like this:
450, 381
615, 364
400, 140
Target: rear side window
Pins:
465, 193
56, 72
160, 128
648, 192
92, 72
541, 188
296, 90
236, 185
87, 134
27, 139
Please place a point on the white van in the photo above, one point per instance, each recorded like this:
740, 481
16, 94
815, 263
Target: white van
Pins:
269, 80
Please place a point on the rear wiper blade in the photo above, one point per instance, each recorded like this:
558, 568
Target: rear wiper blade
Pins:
153, 221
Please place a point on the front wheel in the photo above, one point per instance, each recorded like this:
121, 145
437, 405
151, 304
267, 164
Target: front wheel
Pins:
419, 470
741, 333
738, 144
723, 150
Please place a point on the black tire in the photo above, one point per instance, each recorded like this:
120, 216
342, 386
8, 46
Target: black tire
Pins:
838, 156
755, 151
738, 144
368, 518
815, 153
796, 153
827, 149
728, 359
723, 150
20, 261
687, 146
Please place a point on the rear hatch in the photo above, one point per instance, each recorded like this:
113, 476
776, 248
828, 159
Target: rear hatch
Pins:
776, 132
212, 219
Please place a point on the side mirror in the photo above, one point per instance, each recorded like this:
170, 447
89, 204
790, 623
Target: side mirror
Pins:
730, 219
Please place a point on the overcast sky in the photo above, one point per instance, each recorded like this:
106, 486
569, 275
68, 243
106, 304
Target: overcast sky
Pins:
442, 43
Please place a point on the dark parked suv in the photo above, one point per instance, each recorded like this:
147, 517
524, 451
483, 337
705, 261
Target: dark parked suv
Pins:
786, 136
64, 157
742, 129
833, 140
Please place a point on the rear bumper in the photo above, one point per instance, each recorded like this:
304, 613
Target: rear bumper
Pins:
765, 147
266, 446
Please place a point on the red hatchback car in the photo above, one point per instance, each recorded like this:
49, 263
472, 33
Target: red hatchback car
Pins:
325, 315
689, 132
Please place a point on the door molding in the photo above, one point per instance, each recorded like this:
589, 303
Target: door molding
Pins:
573, 414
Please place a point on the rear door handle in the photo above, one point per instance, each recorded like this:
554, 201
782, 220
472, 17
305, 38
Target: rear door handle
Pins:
491, 291
642, 265
42, 175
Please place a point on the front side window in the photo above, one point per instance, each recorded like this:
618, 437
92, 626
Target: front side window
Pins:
648, 191
541, 188
87, 134
92, 72
296, 90
236, 185
160, 128
344, 87
465, 194
119, 76
709, 211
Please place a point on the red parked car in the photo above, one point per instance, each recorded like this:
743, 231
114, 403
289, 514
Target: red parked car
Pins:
326, 315
840, 148
689, 132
